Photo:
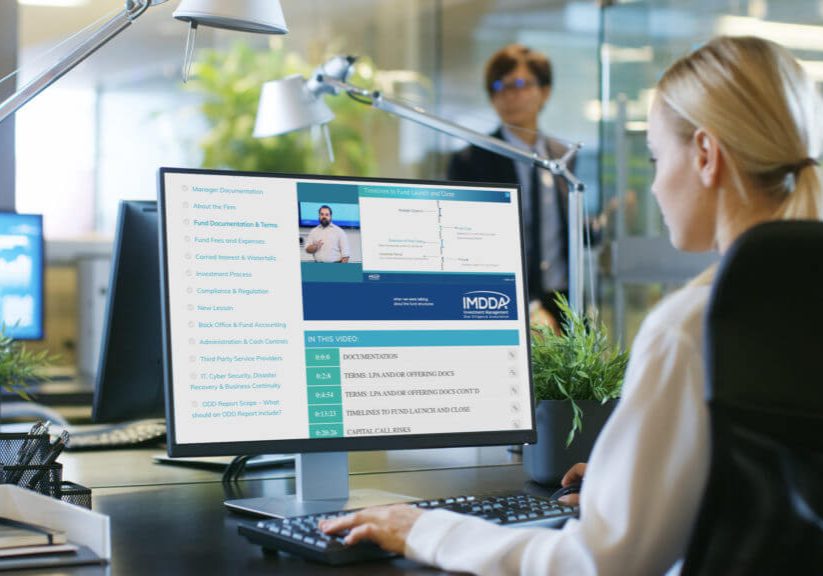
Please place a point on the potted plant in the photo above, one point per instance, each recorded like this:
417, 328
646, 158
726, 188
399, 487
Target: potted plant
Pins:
577, 376
19, 367
229, 83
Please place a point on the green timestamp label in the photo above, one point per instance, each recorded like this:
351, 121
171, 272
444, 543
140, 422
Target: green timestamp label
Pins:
325, 395
325, 430
323, 376
322, 357
324, 414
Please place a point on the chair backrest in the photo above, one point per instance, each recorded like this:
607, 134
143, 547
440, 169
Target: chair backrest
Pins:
762, 509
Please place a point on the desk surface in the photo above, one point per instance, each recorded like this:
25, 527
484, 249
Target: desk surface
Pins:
171, 520
126, 468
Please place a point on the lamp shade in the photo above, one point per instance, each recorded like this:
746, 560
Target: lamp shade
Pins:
264, 16
286, 105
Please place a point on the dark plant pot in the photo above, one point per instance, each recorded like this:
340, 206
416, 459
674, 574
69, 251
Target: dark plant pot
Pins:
548, 460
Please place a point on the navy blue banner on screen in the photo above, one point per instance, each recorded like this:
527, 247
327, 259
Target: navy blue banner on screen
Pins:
395, 301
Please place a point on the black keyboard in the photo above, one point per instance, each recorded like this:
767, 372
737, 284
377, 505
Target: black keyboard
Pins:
135, 434
300, 535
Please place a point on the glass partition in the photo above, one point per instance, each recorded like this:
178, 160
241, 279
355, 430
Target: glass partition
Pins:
99, 135
640, 39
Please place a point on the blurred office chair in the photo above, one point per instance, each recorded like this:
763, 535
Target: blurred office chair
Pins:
762, 512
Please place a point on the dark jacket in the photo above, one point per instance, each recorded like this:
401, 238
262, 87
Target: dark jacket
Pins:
473, 164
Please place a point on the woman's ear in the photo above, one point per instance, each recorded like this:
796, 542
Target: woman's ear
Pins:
708, 158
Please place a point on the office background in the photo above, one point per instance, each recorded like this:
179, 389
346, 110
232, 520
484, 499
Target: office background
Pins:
99, 134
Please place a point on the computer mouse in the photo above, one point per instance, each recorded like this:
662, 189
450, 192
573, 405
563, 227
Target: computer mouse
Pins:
566, 490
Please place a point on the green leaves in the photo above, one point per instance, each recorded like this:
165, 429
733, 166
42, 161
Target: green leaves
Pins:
18, 366
230, 83
577, 365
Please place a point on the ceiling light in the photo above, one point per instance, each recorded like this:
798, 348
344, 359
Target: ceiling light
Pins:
795, 36
53, 3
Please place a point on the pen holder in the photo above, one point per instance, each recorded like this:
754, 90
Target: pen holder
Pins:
20, 463
75, 494
41, 478
16, 447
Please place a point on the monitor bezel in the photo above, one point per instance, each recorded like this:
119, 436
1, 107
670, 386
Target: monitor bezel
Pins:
306, 445
107, 388
41, 294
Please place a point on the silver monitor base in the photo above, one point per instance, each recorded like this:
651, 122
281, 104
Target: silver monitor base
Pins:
322, 485
290, 506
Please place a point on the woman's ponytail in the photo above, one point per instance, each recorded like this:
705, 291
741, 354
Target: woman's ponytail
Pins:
805, 198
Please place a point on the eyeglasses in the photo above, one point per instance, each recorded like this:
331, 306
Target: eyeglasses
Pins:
499, 86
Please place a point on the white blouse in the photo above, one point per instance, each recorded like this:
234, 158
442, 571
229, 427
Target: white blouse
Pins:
644, 480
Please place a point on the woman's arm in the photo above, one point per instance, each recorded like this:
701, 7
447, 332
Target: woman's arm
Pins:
644, 482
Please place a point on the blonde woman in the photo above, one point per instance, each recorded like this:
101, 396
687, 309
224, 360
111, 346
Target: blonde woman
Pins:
734, 133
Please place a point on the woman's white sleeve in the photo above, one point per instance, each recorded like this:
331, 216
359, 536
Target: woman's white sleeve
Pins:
642, 488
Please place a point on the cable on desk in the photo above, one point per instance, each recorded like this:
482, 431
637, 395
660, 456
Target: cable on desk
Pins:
235, 468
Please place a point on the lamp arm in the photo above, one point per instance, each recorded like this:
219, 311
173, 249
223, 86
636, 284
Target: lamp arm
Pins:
558, 166
133, 9
420, 116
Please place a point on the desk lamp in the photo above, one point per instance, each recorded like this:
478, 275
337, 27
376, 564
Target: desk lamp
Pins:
263, 16
294, 103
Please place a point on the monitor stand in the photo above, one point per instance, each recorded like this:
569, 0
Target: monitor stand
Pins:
322, 485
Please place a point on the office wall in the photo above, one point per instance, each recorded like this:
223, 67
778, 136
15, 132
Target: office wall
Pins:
8, 63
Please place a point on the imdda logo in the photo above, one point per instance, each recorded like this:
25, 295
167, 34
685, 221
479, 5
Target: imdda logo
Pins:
485, 300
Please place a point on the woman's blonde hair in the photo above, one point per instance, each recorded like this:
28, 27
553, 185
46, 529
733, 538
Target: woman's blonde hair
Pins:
756, 99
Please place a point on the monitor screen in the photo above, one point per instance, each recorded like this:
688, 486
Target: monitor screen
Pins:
344, 215
130, 374
422, 344
21, 275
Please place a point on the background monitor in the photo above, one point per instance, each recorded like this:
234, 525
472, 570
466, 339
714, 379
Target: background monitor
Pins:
21, 275
423, 344
344, 215
130, 375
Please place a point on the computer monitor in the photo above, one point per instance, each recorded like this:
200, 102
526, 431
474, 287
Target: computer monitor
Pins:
21, 275
423, 344
130, 375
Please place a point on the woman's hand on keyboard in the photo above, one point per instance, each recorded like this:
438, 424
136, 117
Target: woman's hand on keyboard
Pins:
386, 526
573, 476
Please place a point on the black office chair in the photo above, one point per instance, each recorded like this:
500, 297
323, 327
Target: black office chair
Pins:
762, 512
